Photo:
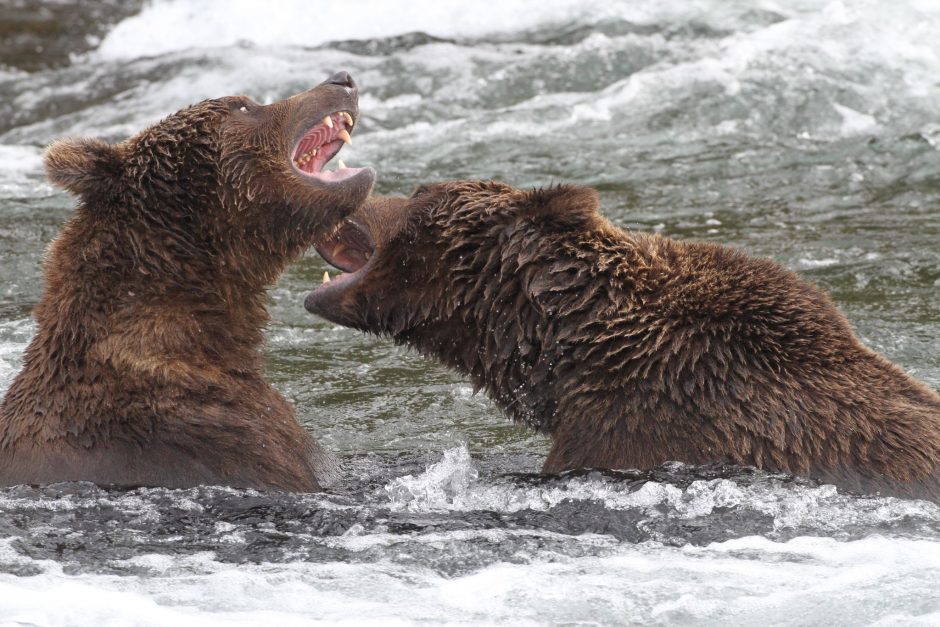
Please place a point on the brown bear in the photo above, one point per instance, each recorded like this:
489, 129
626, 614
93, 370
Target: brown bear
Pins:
145, 368
630, 349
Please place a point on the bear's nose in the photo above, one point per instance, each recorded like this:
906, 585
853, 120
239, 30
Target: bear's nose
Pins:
343, 79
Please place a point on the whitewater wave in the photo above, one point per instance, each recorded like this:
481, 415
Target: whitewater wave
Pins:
219, 23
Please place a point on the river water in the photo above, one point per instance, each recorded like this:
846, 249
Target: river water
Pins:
806, 131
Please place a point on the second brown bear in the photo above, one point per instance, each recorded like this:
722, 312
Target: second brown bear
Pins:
630, 349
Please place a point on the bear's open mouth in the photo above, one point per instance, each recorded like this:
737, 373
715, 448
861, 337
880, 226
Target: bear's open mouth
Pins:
349, 249
321, 143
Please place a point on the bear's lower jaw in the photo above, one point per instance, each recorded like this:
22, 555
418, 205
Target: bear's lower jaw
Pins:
342, 173
349, 249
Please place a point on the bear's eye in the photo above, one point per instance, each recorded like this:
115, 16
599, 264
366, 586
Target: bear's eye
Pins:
243, 108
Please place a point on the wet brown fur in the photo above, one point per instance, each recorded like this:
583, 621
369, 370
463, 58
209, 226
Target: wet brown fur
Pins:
632, 349
145, 368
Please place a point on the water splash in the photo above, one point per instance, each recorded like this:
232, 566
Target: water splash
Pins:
444, 485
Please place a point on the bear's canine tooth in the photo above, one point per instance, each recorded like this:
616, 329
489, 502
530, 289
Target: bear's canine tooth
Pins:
326, 277
344, 135
348, 118
340, 165
328, 120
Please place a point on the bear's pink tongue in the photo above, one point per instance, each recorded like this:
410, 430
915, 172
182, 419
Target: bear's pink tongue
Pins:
310, 145
321, 143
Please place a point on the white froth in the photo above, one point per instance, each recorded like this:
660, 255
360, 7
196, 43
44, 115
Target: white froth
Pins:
219, 23
452, 485
741, 581
748, 581
721, 81
20, 159
20, 171
442, 483
14, 337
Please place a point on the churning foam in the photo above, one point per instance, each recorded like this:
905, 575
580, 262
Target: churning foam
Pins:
453, 484
747, 581
178, 25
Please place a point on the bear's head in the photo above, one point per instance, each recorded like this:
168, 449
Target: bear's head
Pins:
441, 264
226, 183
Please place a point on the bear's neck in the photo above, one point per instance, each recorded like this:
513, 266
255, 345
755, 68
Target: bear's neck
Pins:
160, 323
522, 325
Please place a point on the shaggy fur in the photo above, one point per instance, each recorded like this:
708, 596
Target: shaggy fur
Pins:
631, 349
145, 367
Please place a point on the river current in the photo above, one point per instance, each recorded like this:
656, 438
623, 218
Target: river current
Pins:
805, 131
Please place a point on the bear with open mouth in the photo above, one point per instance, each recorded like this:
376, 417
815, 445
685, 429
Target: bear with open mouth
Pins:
145, 368
630, 349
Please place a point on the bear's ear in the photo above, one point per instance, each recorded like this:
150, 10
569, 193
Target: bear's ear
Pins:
565, 204
83, 166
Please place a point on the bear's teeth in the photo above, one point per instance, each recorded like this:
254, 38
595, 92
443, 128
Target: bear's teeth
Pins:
326, 277
348, 118
344, 135
342, 166
306, 157
328, 120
